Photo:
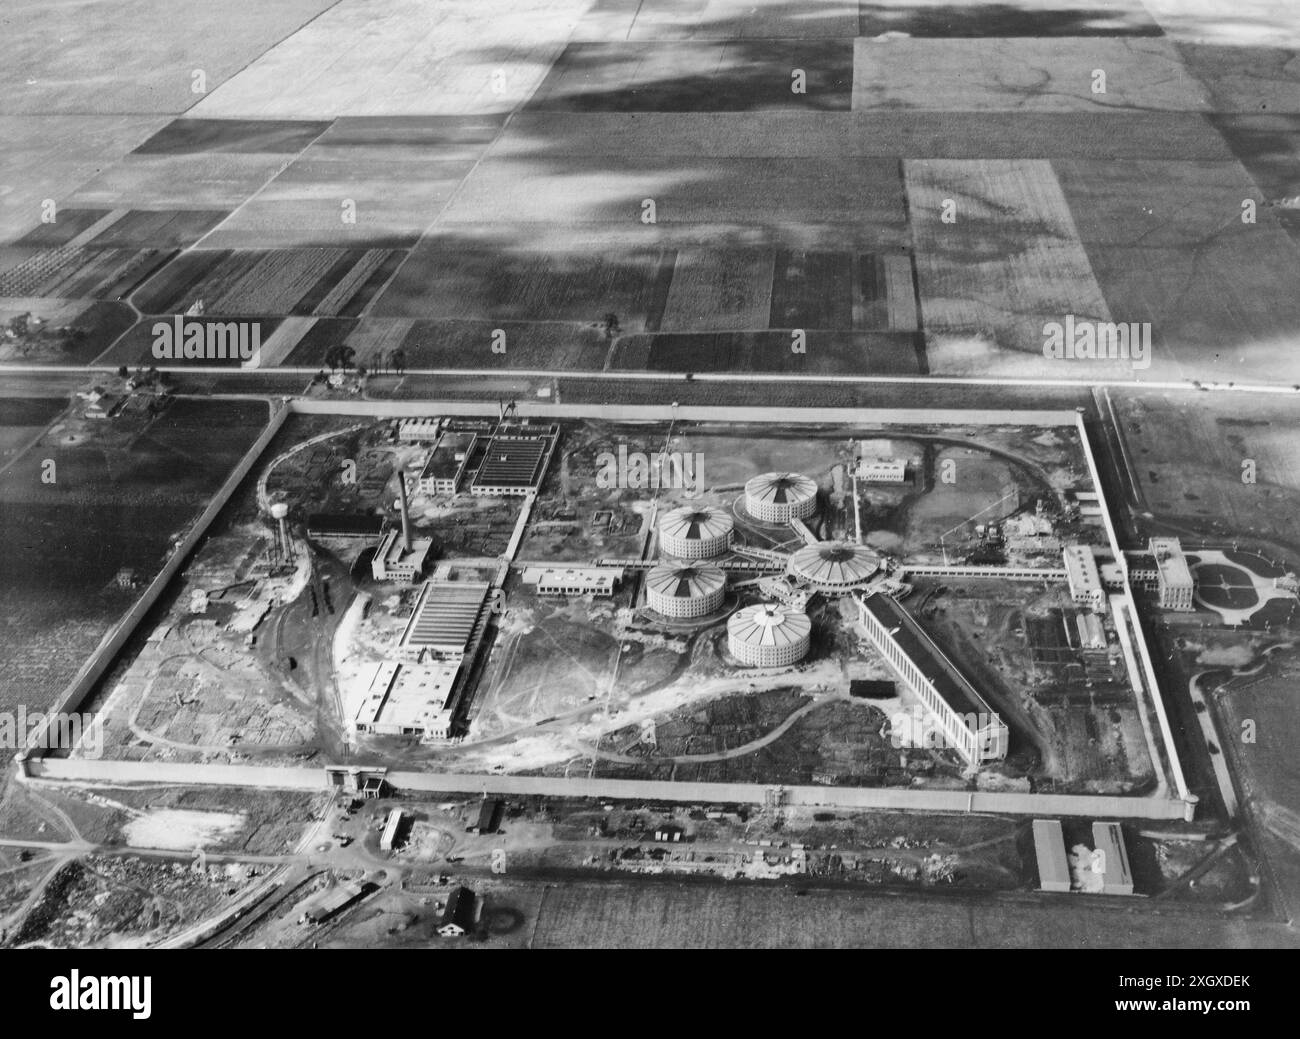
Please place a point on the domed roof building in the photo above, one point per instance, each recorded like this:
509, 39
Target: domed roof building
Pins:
834, 567
780, 497
692, 532
769, 635
680, 589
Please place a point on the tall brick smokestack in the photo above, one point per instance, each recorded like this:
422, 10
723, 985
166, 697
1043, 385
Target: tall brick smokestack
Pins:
406, 512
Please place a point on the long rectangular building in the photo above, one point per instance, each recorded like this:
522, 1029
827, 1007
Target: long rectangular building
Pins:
1083, 577
574, 580
445, 469
408, 700
514, 464
1049, 848
969, 725
1117, 874
1173, 575
443, 619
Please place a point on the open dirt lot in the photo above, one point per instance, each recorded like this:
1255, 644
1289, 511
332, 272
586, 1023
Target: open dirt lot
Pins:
1188, 458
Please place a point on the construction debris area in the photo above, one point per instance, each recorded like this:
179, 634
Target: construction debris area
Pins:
225, 868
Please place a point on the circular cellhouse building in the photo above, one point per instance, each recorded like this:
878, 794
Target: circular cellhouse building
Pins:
769, 635
780, 497
834, 567
695, 533
680, 589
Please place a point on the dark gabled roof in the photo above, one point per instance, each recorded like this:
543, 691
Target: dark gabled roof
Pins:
459, 909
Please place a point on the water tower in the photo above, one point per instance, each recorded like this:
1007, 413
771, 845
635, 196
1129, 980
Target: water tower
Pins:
283, 546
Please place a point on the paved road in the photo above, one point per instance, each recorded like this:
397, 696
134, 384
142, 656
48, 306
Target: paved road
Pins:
297, 376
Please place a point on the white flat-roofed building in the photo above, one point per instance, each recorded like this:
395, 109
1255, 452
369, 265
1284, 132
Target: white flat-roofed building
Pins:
408, 700
1084, 578
1173, 576
882, 470
1112, 576
444, 471
392, 824
1116, 873
414, 430
968, 724
601, 581
394, 562
1049, 848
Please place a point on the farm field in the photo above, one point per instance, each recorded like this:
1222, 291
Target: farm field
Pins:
719, 290
135, 347
318, 341
675, 915
21, 419
829, 352
1229, 311
92, 328
1044, 18
717, 20
216, 180
876, 133
991, 281
48, 156
860, 199
406, 57
69, 223
394, 202
698, 76
1029, 74
444, 279
555, 345
137, 484
322, 281
1168, 246
1269, 779
1269, 82
1155, 203
96, 253
1269, 147
446, 138
207, 136
94, 59
1187, 457
1009, 262
78, 272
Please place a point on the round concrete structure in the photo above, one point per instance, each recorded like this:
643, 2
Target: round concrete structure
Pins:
780, 497
695, 533
834, 567
769, 635
682, 590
